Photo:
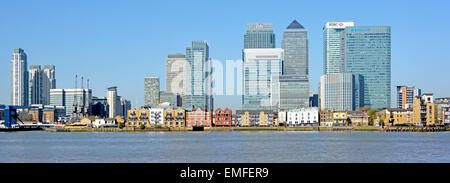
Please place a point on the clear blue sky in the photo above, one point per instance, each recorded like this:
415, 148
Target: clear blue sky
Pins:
118, 43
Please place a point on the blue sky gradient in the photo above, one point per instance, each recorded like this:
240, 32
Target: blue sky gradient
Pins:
118, 43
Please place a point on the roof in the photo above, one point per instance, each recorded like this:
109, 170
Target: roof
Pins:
295, 25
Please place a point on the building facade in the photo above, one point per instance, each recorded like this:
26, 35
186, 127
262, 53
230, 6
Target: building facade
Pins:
75, 101
406, 95
303, 117
424, 109
259, 35
176, 74
289, 92
223, 117
156, 117
340, 91
368, 54
198, 92
171, 99
333, 36
395, 117
259, 66
175, 118
112, 99
256, 118
19, 78
198, 117
151, 89
295, 46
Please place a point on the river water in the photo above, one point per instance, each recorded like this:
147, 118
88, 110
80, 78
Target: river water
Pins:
224, 147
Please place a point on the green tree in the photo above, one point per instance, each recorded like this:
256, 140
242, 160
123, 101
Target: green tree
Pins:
121, 125
372, 116
349, 121
142, 126
381, 122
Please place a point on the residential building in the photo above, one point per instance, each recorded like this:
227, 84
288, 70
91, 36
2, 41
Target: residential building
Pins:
198, 117
446, 116
176, 75
340, 118
105, 123
36, 87
259, 67
406, 95
156, 116
358, 118
198, 92
441, 104
19, 78
151, 87
49, 82
256, 118
259, 35
326, 117
282, 117
425, 110
334, 36
75, 101
303, 117
222, 117
174, 118
138, 117
368, 54
395, 117
113, 101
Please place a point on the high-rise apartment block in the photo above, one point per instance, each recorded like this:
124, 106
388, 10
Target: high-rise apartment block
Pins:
151, 88
19, 78
406, 95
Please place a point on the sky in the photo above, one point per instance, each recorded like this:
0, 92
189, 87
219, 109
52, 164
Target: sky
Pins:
118, 43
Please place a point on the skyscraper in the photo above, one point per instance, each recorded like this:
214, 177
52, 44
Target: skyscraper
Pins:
368, 54
49, 82
36, 81
406, 95
113, 103
333, 36
295, 46
293, 88
259, 35
176, 75
259, 67
19, 78
340, 91
198, 77
151, 87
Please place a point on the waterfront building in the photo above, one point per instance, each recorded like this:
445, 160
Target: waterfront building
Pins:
282, 117
151, 88
172, 99
75, 101
105, 123
333, 36
198, 92
113, 101
445, 117
138, 117
48, 115
174, 118
340, 118
198, 117
368, 54
358, 118
36, 87
406, 95
259, 67
99, 107
340, 91
441, 105
49, 82
395, 117
303, 117
259, 35
424, 110
19, 78
176, 75
156, 117
256, 118
289, 92
222, 117
295, 46
326, 117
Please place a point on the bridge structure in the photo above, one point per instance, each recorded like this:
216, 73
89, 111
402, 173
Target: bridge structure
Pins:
11, 119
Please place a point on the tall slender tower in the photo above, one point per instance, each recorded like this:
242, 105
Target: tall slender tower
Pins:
36, 81
49, 82
111, 97
19, 78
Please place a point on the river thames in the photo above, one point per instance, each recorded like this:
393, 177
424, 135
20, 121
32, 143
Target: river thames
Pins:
224, 147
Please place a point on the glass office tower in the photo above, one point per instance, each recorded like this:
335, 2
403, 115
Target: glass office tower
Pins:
259, 35
260, 65
295, 46
333, 36
198, 77
368, 53
340, 91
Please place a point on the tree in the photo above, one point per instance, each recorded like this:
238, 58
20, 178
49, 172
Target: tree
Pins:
142, 127
372, 116
381, 122
349, 121
121, 125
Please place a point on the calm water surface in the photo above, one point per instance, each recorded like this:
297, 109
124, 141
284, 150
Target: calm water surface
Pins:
40, 146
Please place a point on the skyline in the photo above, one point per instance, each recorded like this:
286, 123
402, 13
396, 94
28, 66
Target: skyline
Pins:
78, 47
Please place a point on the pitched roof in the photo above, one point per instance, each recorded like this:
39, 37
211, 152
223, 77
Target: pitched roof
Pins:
295, 25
